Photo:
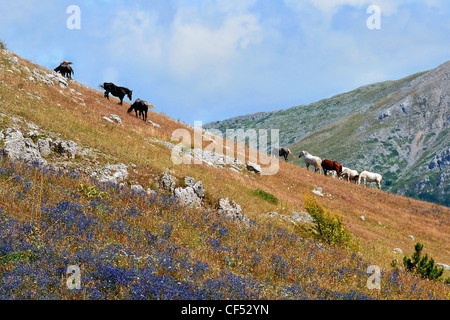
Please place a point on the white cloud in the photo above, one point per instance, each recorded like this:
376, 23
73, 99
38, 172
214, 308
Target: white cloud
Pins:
197, 47
136, 35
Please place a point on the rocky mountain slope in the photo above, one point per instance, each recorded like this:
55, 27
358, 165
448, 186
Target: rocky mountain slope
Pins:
397, 128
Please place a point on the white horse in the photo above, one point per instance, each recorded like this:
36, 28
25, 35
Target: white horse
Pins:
367, 176
311, 160
349, 174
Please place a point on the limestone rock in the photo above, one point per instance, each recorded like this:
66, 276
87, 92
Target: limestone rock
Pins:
19, 148
253, 167
230, 209
113, 173
66, 148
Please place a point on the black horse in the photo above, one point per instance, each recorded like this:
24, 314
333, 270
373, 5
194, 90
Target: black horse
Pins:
282, 152
116, 91
65, 69
142, 107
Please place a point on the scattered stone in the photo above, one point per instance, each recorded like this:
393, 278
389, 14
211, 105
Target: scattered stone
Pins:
151, 192
398, 250
44, 146
318, 191
253, 167
137, 188
189, 181
14, 60
187, 196
199, 189
442, 265
235, 169
115, 118
230, 209
108, 119
19, 148
65, 148
154, 124
167, 182
302, 216
411, 237
363, 218
114, 173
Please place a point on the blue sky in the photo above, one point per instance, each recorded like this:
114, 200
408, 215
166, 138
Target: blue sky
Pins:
207, 60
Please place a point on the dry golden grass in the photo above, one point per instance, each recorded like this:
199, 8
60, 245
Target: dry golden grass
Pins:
390, 218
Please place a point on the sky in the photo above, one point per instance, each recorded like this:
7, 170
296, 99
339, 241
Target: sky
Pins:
209, 60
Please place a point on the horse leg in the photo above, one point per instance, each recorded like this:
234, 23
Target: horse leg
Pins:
145, 116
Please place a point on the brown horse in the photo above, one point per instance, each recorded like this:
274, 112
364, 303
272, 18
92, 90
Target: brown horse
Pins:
65, 69
328, 165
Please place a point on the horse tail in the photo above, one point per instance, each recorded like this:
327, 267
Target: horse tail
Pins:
290, 153
319, 164
149, 105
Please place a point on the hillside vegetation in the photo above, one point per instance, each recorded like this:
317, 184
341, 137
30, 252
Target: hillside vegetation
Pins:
147, 245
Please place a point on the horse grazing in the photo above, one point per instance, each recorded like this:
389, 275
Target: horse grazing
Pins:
311, 160
367, 176
349, 174
65, 69
116, 91
141, 107
282, 152
329, 165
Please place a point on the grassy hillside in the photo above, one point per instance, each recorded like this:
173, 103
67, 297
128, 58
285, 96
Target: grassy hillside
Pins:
135, 246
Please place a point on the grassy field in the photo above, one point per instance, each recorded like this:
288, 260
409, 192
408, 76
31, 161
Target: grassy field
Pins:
133, 246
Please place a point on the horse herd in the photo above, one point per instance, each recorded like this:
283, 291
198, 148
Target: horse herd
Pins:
332, 166
140, 107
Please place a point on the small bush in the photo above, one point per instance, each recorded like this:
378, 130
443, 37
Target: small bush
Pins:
329, 226
93, 192
422, 266
265, 195
2, 45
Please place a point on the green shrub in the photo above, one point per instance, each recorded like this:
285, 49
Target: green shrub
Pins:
329, 226
92, 192
422, 266
265, 195
2, 45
